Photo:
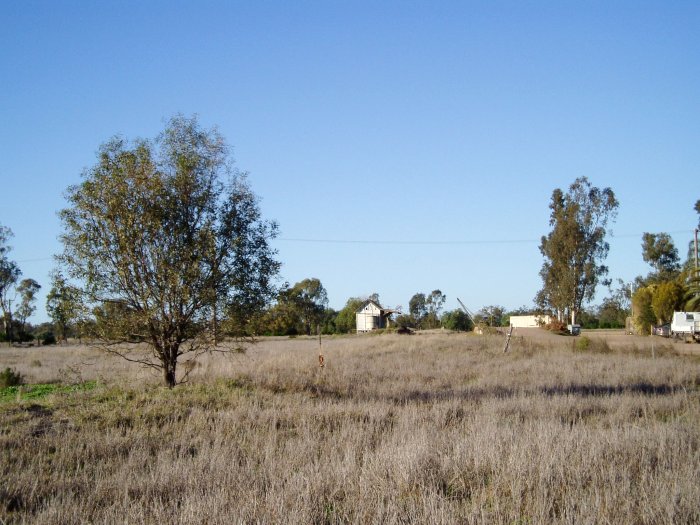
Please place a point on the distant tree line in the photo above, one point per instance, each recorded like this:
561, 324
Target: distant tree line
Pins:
212, 275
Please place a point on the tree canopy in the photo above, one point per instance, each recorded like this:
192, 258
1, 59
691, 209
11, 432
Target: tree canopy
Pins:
659, 251
305, 303
170, 231
575, 248
63, 304
17, 297
9, 275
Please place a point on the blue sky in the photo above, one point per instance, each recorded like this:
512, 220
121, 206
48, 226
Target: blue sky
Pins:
433, 132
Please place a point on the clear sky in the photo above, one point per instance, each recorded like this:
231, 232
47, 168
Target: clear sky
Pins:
426, 136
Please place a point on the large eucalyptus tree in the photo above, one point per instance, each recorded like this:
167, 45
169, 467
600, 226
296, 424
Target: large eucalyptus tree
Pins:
169, 232
575, 249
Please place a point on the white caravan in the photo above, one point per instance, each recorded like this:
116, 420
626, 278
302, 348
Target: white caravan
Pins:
686, 324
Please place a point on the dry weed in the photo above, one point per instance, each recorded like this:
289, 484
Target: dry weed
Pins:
439, 428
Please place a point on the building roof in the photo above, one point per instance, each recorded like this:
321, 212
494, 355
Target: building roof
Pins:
364, 305
382, 311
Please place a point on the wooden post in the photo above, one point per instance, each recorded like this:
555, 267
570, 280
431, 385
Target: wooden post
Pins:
510, 332
321, 360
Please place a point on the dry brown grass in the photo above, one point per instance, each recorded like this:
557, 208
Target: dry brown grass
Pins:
439, 428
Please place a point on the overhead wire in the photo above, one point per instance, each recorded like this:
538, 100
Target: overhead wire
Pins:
412, 242
440, 242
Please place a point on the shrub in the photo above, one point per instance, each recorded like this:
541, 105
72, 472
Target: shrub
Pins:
556, 326
47, 338
9, 377
582, 343
24, 337
585, 344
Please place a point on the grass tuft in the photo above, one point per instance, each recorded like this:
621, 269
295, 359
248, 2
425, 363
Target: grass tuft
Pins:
441, 428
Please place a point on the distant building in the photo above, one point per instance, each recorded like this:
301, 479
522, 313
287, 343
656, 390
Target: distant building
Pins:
371, 316
529, 321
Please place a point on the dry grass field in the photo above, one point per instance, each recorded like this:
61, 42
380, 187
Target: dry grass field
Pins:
430, 428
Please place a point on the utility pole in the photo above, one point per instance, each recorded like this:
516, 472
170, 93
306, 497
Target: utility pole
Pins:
696, 250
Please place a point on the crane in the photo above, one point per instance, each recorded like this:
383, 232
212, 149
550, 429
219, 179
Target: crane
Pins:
467, 311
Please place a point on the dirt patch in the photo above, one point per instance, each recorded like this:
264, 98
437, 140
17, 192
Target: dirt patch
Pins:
616, 339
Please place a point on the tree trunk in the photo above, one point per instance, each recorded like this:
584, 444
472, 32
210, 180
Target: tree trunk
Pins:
169, 376
169, 362
573, 316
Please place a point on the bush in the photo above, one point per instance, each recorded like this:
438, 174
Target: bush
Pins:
47, 338
598, 346
24, 337
556, 326
9, 377
582, 343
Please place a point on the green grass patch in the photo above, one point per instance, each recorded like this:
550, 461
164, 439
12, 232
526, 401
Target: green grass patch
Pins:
33, 392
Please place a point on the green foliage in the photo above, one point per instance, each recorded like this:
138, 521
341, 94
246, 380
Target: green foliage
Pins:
692, 294
575, 248
308, 299
644, 316
612, 312
328, 322
588, 319
63, 304
582, 343
27, 289
666, 298
425, 309
40, 391
168, 230
586, 344
346, 321
491, 315
10, 377
9, 274
47, 338
417, 309
659, 251
457, 320
299, 310
434, 303
406, 321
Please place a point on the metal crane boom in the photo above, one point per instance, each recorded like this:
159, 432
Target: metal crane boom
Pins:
467, 311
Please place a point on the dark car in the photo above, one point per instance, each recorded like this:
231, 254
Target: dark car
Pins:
663, 330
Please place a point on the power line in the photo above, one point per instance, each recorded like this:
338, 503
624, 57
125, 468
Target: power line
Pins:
404, 242
442, 242
417, 242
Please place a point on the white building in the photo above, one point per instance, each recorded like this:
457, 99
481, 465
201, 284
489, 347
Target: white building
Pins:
529, 321
371, 316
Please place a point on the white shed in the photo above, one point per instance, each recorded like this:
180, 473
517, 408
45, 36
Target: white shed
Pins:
529, 321
371, 316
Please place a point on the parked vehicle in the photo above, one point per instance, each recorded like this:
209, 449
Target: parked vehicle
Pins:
686, 325
574, 329
663, 330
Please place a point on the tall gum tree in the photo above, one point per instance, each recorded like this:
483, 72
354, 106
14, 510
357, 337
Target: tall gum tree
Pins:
9, 274
575, 248
167, 230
